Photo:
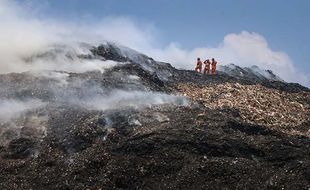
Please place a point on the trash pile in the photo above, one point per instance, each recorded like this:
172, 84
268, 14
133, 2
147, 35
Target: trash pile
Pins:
256, 103
122, 127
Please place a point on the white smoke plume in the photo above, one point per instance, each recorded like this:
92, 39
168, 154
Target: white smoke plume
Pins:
131, 99
11, 109
93, 96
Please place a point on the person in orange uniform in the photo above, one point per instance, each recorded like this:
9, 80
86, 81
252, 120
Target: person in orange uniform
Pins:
213, 63
198, 65
207, 66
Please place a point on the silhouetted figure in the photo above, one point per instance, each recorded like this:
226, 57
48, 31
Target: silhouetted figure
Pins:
213, 66
198, 65
207, 66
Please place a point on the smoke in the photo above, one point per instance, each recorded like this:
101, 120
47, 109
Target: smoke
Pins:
66, 58
27, 113
20, 36
11, 109
53, 89
243, 49
93, 96
119, 99
23, 35
50, 49
52, 62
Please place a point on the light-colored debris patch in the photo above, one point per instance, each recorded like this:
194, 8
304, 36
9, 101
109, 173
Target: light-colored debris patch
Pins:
256, 103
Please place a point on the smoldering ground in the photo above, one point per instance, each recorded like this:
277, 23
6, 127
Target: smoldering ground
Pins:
29, 99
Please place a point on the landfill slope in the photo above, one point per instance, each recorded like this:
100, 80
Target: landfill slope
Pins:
142, 124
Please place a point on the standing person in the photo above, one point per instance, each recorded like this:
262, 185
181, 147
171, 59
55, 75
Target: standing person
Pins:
213, 66
207, 66
198, 65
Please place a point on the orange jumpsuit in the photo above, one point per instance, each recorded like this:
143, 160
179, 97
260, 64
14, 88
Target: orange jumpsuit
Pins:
198, 66
214, 67
207, 66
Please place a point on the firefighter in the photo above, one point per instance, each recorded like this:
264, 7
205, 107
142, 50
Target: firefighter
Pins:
213, 63
198, 65
207, 66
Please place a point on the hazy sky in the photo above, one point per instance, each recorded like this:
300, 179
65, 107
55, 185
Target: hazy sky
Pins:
233, 30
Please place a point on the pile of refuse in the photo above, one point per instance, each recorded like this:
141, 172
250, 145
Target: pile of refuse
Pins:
256, 103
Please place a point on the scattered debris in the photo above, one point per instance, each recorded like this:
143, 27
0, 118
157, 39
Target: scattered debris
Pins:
257, 104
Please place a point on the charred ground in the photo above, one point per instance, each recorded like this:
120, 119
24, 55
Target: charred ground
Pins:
200, 145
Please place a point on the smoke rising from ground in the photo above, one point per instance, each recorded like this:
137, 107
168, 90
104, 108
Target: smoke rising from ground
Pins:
50, 90
11, 109
93, 96
66, 58
131, 99
43, 47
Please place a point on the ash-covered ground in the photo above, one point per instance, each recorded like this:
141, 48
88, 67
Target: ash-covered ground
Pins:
111, 118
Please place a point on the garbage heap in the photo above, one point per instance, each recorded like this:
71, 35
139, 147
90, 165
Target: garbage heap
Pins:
256, 104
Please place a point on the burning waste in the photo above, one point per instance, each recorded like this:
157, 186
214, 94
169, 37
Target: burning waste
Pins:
109, 117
